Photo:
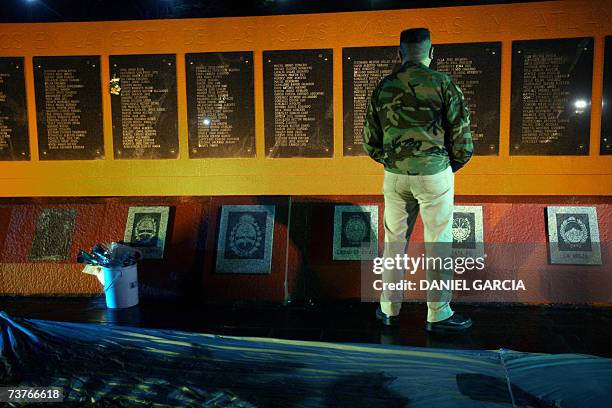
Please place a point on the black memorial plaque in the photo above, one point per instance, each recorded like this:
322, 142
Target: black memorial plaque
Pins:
298, 103
606, 110
362, 70
69, 107
476, 69
220, 104
14, 143
145, 119
551, 96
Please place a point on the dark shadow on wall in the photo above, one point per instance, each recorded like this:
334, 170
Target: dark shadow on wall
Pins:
300, 236
309, 225
191, 285
179, 273
155, 279
310, 251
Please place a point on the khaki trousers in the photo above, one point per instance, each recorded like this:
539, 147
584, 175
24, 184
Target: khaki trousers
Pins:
406, 196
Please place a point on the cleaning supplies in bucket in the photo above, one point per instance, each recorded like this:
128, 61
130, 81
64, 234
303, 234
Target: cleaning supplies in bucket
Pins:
115, 266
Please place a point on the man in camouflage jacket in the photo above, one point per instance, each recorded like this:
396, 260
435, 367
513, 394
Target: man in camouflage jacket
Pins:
418, 126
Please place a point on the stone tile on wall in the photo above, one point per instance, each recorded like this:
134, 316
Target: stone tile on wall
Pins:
24, 221
245, 238
468, 231
573, 234
146, 229
54, 234
355, 232
244, 287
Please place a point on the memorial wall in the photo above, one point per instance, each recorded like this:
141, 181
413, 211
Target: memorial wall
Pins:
275, 105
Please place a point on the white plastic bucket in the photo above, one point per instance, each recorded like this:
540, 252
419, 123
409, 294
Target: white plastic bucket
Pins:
120, 286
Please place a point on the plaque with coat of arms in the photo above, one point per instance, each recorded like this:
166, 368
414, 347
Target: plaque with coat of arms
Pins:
355, 232
467, 231
573, 236
146, 230
245, 239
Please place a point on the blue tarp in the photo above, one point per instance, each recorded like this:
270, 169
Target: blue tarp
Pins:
122, 366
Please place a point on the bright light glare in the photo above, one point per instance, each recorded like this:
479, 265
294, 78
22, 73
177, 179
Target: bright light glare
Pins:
206, 121
580, 104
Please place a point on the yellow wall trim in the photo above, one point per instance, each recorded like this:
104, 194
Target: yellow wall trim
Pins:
499, 175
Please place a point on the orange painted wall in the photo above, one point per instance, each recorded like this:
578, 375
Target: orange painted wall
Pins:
515, 237
499, 175
302, 264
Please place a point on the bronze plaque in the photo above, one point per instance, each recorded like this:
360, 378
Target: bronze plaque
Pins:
298, 103
476, 69
69, 107
551, 96
14, 142
606, 110
145, 119
362, 69
220, 104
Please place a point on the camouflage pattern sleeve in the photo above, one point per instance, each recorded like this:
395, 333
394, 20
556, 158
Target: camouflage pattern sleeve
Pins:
373, 132
459, 134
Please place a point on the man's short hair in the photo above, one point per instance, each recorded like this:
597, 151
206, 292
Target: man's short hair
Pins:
415, 43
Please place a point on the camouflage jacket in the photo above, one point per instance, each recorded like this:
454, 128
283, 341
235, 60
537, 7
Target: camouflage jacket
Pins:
417, 122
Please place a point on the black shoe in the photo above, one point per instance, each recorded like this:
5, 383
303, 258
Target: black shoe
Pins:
387, 320
454, 324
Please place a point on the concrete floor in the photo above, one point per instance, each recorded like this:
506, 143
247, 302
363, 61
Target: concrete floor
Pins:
545, 329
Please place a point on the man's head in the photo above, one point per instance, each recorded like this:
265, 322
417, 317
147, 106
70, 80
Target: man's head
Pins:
415, 46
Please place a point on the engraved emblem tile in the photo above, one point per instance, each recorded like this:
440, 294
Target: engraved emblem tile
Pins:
146, 229
573, 235
467, 231
355, 232
245, 239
